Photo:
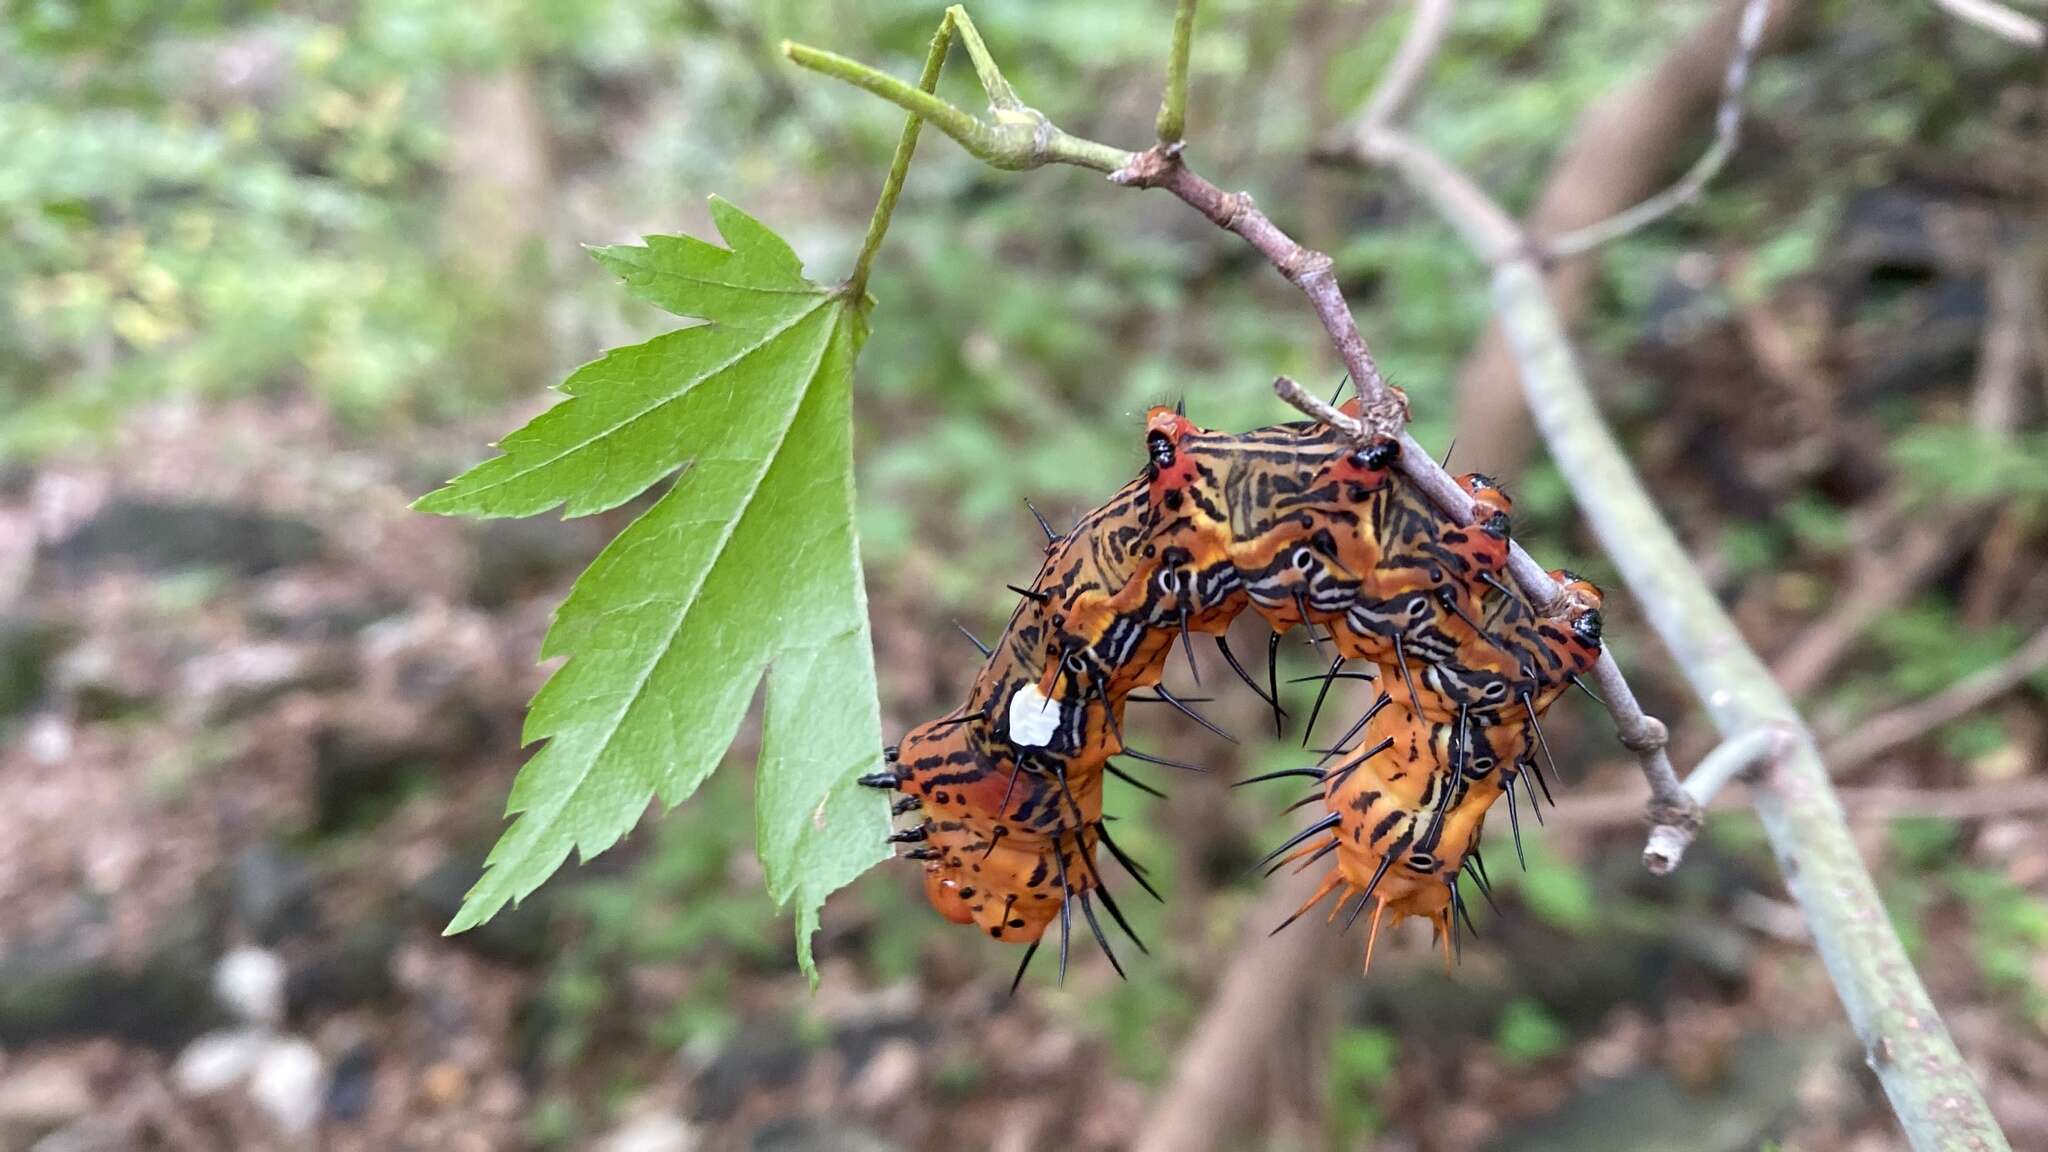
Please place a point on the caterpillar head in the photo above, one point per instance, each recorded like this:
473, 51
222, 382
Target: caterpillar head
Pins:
1165, 464
1579, 622
1367, 468
1482, 546
1487, 493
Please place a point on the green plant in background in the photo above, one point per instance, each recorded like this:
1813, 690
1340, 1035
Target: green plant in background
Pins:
1555, 890
1362, 1063
1527, 1034
2010, 929
679, 902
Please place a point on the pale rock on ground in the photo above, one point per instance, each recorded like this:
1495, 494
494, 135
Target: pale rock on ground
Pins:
653, 1132
249, 982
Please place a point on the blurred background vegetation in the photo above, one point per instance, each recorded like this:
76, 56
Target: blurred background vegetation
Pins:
272, 268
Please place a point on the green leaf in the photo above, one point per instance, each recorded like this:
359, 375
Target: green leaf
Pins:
749, 561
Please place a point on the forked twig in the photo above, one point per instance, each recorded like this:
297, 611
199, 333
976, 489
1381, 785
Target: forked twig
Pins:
1886, 731
1727, 134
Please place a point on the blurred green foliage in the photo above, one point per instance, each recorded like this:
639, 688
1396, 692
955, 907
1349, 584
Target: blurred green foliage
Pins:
1526, 1034
679, 903
1555, 890
1363, 1062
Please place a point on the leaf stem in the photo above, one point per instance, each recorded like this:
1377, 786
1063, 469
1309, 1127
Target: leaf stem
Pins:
899, 165
1173, 106
1022, 137
1001, 96
973, 135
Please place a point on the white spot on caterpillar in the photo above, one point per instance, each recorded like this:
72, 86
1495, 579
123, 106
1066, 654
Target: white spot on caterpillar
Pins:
1033, 718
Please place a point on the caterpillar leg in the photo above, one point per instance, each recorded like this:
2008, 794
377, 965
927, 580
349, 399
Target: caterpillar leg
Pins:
1329, 885
1372, 935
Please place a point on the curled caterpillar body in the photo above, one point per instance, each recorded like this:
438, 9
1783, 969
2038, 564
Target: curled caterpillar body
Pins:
1307, 530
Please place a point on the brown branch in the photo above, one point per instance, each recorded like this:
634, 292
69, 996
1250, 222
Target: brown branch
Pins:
1889, 730
1250, 1012
1311, 271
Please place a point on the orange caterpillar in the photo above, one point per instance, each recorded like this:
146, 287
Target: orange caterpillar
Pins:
1308, 530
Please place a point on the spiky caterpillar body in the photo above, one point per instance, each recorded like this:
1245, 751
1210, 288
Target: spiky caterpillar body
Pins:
1306, 529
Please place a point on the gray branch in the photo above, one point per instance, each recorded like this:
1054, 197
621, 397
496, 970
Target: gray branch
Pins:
1904, 1040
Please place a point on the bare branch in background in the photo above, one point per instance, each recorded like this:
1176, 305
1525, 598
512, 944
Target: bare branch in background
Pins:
1727, 134
1616, 154
1998, 20
1311, 271
1930, 1088
1251, 1012
1426, 32
1889, 730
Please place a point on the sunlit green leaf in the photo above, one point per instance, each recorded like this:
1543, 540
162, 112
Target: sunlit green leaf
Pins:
749, 561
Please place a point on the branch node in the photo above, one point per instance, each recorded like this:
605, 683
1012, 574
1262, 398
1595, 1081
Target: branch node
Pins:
1675, 821
1150, 168
1237, 206
1304, 265
1647, 736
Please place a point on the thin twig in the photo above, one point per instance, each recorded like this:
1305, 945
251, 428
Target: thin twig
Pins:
1384, 409
1001, 97
1889, 730
1618, 808
1173, 106
1998, 20
1426, 31
1727, 135
1743, 756
899, 164
1674, 810
1020, 138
